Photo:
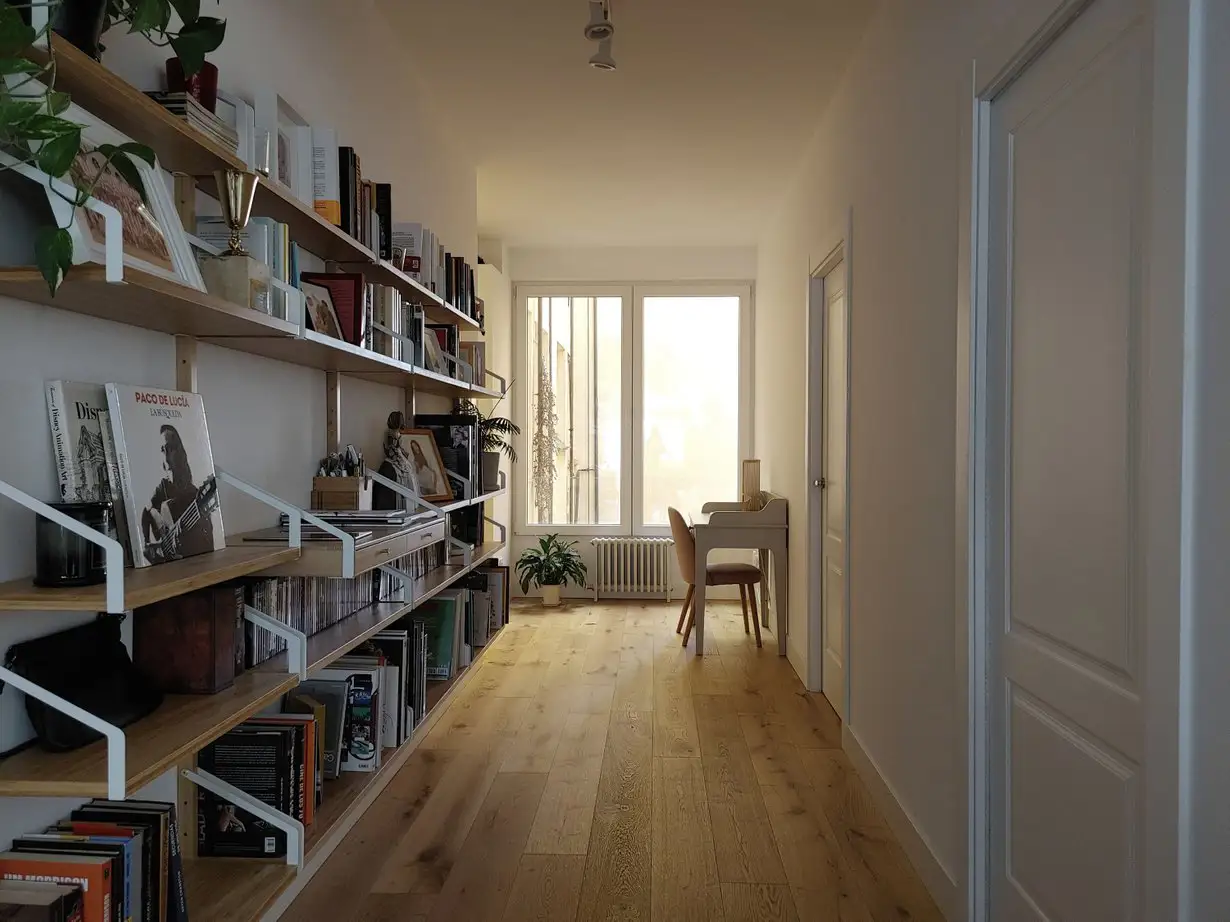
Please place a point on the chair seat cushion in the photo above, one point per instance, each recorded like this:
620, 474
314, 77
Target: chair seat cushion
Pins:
732, 574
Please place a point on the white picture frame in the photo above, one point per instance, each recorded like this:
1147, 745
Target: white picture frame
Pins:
290, 144
146, 225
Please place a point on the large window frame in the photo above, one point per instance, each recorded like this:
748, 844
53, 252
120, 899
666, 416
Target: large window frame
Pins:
633, 297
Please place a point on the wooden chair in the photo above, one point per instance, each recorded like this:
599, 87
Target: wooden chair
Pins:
744, 575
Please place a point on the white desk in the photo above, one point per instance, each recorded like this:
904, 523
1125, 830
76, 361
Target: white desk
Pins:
765, 530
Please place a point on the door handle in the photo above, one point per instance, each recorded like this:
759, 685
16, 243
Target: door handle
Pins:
820, 482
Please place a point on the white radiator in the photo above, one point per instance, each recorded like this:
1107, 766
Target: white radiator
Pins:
634, 566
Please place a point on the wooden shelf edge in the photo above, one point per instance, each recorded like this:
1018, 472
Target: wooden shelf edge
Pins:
150, 584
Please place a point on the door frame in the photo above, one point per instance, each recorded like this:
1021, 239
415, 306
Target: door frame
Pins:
998, 62
815, 447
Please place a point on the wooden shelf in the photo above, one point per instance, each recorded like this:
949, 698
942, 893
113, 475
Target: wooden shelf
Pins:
143, 300
384, 545
436, 308
327, 645
150, 584
180, 727
307, 228
478, 391
233, 889
439, 579
179, 147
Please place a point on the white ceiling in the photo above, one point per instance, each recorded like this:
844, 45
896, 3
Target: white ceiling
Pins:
690, 141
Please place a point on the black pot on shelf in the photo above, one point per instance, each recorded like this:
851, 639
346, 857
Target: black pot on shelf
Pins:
81, 23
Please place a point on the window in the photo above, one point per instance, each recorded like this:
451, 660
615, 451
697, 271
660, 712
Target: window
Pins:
635, 400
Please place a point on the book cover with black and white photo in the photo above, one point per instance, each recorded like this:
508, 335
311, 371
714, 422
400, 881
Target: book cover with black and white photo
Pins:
166, 473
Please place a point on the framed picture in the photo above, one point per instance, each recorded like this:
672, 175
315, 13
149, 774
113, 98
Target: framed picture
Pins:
318, 306
349, 291
154, 237
290, 143
428, 465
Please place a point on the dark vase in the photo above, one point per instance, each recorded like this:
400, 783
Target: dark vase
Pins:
202, 86
63, 558
82, 23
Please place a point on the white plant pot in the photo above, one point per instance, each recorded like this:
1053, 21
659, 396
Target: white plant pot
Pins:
550, 596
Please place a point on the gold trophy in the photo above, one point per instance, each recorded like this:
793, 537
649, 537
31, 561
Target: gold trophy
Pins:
236, 276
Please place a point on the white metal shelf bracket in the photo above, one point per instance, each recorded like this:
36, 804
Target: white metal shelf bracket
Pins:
295, 519
499, 527
113, 223
111, 548
289, 825
503, 381
296, 641
117, 746
406, 579
406, 492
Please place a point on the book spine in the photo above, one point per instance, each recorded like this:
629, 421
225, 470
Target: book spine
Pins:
326, 197
384, 210
177, 910
131, 512
60, 441
345, 159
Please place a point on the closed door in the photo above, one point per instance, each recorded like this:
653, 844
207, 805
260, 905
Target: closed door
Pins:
834, 487
1069, 160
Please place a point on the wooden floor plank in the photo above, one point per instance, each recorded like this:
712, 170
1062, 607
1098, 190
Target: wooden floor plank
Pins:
684, 878
674, 720
566, 811
616, 884
486, 869
759, 903
532, 748
743, 839
547, 889
775, 757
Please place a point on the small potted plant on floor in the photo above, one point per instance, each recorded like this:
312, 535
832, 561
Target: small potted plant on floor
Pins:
550, 566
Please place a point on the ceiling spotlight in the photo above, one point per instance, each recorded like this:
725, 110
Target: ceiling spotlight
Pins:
603, 60
600, 27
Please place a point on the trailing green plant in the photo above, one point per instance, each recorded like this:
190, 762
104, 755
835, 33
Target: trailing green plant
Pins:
552, 563
33, 131
496, 432
196, 37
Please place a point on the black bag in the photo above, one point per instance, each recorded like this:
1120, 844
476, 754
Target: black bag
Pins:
88, 666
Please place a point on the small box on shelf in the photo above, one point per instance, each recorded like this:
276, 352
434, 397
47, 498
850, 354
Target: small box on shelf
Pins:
342, 493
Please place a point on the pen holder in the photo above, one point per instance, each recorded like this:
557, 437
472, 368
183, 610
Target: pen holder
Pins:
342, 493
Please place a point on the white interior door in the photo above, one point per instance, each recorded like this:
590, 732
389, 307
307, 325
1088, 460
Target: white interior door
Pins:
1070, 143
833, 490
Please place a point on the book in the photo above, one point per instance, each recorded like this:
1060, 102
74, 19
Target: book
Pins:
156, 855
126, 871
76, 440
407, 249
439, 617
327, 197
298, 703
166, 473
40, 901
398, 675
239, 115
332, 694
304, 760
92, 873
384, 212
137, 863
257, 761
177, 895
119, 511
361, 734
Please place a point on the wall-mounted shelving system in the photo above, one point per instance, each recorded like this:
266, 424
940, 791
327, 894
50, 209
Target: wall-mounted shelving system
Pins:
233, 890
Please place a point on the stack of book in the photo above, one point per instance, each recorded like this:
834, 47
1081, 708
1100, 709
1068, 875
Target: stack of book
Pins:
307, 603
186, 107
109, 861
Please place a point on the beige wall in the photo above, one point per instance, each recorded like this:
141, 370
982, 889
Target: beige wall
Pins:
887, 149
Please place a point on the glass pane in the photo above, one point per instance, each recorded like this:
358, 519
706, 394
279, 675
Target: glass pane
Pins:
575, 414
690, 438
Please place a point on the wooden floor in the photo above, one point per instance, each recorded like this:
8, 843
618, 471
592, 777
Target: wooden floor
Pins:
594, 770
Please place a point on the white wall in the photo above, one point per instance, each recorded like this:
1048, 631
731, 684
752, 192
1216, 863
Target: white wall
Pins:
886, 147
267, 419
631, 264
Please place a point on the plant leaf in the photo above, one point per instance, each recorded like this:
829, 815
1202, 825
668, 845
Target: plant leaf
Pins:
10, 65
123, 165
148, 15
196, 40
58, 102
53, 252
189, 10
15, 35
56, 156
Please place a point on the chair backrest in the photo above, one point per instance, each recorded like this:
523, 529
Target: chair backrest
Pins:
685, 545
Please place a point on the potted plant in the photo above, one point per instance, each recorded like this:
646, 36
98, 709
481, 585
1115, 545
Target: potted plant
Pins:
83, 23
33, 132
496, 434
550, 566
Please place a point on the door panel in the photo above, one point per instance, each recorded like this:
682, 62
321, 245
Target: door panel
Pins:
834, 512
1070, 141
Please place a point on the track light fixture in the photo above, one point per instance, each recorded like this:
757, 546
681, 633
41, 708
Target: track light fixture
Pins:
603, 60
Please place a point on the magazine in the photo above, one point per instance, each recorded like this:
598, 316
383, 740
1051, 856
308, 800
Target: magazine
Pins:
166, 473
77, 441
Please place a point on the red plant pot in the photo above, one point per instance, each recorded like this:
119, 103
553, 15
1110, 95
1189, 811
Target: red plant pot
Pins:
203, 86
